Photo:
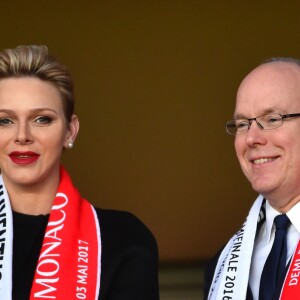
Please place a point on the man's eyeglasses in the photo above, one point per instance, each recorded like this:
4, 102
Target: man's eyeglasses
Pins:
264, 122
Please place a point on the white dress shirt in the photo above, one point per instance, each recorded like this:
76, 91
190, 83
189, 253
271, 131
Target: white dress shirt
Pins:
264, 241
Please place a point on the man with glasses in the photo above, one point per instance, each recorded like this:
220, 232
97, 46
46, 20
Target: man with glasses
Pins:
262, 260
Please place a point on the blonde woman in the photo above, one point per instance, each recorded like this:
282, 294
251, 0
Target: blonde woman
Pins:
53, 243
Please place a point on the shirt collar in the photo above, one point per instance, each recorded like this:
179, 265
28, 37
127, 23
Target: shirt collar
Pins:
271, 213
293, 215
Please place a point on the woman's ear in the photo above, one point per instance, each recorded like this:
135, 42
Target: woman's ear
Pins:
72, 132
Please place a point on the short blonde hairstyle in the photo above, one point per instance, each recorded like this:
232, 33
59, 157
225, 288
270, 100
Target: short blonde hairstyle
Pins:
36, 61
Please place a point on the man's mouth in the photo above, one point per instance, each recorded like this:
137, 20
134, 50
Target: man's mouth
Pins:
263, 160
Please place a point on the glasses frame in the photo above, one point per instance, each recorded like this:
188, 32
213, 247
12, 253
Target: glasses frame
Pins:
283, 117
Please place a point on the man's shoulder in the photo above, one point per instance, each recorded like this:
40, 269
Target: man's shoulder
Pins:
209, 272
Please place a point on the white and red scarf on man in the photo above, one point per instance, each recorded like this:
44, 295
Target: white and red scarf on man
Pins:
69, 264
230, 281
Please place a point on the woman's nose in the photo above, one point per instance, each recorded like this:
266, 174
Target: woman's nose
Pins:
23, 135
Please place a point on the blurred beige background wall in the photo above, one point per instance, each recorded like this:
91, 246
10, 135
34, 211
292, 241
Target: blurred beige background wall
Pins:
155, 81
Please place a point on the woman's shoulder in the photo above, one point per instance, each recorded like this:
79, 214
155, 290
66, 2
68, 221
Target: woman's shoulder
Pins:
124, 226
129, 259
116, 215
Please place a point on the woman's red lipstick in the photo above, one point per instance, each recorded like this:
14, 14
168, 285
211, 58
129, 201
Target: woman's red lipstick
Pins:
23, 158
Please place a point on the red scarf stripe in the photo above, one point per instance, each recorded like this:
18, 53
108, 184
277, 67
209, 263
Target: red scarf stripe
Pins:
69, 262
291, 287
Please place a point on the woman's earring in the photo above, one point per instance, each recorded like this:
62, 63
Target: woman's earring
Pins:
70, 145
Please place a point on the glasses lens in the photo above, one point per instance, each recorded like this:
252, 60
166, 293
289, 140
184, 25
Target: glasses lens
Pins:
238, 126
270, 121
231, 127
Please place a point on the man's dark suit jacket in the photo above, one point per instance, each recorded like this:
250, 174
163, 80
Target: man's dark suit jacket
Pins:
129, 264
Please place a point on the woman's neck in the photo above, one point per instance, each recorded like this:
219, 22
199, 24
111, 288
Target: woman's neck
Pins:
32, 200
31, 206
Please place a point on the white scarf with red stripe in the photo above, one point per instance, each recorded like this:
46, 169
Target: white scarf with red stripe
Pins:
231, 275
69, 264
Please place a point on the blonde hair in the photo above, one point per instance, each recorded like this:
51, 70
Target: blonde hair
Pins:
35, 61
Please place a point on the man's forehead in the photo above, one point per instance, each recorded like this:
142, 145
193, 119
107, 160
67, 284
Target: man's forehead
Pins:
274, 70
261, 112
273, 79
272, 87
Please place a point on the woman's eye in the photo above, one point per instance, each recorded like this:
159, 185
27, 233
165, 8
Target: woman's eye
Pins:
43, 120
5, 121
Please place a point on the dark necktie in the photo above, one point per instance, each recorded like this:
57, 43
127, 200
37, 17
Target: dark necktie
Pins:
274, 267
